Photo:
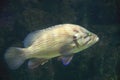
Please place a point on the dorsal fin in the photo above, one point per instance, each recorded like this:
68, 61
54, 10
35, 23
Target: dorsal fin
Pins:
36, 34
31, 37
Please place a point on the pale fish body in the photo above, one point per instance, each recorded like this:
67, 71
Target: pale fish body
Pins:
61, 41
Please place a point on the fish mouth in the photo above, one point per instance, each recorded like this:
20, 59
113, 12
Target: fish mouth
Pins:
93, 39
88, 40
97, 39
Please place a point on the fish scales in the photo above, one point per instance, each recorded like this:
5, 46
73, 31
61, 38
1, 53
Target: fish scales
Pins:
56, 38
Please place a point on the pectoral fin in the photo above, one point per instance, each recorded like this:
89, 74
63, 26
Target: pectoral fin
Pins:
34, 63
66, 50
65, 59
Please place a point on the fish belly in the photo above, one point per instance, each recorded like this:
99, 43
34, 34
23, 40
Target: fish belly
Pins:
43, 53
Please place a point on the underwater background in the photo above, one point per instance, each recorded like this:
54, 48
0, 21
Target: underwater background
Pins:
99, 62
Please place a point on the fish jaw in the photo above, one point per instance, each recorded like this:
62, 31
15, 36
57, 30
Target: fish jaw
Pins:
93, 39
84, 42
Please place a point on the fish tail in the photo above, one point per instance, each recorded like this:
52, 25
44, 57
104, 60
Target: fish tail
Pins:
15, 57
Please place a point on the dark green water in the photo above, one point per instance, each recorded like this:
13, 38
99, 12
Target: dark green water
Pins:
99, 62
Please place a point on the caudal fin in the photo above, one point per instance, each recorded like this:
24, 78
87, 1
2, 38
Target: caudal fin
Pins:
15, 57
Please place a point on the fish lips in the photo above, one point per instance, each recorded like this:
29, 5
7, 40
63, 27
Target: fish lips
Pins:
92, 39
88, 40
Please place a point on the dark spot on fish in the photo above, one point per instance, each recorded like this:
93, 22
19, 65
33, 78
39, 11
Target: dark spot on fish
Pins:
75, 30
86, 36
75, 41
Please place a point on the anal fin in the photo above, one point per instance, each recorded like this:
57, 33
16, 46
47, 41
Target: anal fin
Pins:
34, 63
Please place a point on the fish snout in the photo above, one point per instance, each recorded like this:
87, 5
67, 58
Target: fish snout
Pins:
95, 37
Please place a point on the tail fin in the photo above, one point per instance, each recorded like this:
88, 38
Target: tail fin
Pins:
15, 57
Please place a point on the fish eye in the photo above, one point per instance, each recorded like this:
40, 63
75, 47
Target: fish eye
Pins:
74, 37
89, 34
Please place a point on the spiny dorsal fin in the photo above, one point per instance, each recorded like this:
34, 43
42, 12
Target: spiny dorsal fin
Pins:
31, 37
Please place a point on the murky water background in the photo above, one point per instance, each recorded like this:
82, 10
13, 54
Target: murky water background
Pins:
99, 62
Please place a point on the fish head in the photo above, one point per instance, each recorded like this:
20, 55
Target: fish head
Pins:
87, 39
83, 39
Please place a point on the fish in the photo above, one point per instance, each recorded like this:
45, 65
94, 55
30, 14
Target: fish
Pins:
62, 41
